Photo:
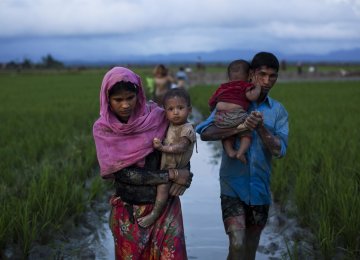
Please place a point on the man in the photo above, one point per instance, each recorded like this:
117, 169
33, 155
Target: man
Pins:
245, 188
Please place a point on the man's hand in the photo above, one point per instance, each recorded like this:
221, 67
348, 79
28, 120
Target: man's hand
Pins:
254, 120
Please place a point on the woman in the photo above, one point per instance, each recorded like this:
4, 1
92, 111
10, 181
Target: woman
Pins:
123, 137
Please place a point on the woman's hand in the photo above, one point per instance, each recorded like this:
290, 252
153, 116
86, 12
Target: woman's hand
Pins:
181, 179
157, 143
177, 189
180, 176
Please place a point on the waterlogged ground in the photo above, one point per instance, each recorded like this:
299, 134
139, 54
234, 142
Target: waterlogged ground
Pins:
205, 236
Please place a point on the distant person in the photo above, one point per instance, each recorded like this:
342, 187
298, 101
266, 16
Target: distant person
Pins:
231, 101
163, 82
182, 79
299, 68
176, 149
245, 188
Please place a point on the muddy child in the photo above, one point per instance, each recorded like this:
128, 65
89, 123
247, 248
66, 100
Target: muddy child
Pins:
231, 101
177, 147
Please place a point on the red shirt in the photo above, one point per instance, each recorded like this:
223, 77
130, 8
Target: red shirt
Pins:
231, 92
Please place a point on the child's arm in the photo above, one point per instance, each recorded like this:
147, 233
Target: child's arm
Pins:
253, 93
179, 147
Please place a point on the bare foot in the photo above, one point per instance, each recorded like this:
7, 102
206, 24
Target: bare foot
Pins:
241, 157
147, 220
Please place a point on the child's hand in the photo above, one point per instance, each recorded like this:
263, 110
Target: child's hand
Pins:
157, 143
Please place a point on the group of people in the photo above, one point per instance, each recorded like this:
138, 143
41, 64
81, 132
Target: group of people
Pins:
164, 81
145, 149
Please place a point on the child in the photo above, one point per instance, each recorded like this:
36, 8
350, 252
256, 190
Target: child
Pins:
177, 148
231, 101
162, 83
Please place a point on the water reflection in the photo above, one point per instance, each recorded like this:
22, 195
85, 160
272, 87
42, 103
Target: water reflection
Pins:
204, 231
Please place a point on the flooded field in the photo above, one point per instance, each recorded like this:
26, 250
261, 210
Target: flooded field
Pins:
204, 231
205, 236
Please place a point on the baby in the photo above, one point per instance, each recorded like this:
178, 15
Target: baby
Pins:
231, 101
177, 148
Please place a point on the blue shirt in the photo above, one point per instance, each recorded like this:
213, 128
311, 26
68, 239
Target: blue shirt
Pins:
251, 182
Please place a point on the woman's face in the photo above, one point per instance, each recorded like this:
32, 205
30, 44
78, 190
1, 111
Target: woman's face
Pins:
123, 103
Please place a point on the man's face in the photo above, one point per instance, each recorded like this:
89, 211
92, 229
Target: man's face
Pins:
265, 77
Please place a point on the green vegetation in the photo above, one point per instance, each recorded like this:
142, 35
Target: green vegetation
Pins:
47, 153
321, 171
49, 169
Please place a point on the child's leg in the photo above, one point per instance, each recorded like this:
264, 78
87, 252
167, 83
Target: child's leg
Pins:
244, 146
228, 144
162, 194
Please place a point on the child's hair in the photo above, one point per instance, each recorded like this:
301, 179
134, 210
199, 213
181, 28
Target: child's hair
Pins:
265, 59
123, 85
177, 92
160, 70
239, 68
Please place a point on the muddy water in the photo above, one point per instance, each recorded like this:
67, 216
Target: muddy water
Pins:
204, 232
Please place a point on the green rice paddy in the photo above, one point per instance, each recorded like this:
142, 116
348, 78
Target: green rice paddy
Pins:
49, 167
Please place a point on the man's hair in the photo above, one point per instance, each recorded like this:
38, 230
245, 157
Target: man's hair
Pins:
177, 92
238, 67
265, 59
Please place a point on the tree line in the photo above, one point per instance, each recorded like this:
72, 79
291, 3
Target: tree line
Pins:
47, 62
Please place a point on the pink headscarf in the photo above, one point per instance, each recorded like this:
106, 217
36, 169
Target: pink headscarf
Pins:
120, 145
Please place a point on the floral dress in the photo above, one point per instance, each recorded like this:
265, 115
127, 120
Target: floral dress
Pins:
163, 240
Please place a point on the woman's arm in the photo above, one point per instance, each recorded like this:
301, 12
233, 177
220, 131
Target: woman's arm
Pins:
141, 176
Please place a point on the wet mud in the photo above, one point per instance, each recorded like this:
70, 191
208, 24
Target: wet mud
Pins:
204, 231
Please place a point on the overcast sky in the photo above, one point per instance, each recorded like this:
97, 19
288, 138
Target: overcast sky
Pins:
100, 29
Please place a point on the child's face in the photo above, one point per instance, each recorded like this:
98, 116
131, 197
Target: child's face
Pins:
177, 110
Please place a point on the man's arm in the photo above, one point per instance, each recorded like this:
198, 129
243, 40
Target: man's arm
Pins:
213, 133
271, 142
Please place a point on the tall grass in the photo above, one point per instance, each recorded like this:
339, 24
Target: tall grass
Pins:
48, 156
47, 153
321, 171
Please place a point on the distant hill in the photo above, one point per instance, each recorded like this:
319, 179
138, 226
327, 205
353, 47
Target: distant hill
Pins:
224, 56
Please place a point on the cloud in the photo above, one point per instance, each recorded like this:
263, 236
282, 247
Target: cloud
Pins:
162, 26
